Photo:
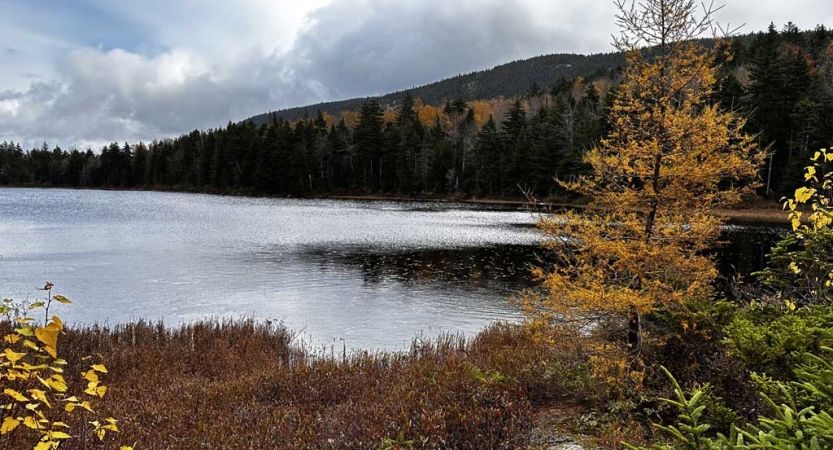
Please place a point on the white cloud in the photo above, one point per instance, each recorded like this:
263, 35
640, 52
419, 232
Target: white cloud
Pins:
197, 64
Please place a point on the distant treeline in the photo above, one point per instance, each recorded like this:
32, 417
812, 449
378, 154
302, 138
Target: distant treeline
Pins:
781, 80
449, 154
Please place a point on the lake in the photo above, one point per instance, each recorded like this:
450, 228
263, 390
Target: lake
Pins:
364, 274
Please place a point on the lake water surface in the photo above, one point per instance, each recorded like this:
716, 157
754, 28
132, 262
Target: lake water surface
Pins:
370, 275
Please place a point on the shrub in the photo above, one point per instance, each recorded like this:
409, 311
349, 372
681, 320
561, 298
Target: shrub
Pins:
800, 419
773, 342
801, 266
35, 393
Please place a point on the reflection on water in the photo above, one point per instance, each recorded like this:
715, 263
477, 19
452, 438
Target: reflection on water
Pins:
373, 274
494, 267
746, 247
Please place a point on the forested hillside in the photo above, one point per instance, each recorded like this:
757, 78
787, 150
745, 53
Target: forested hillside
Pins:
441, 139
507, 80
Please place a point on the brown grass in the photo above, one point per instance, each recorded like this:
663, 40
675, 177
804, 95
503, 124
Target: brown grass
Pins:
243, 385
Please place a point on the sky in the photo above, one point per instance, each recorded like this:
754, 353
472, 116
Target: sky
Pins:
81, 73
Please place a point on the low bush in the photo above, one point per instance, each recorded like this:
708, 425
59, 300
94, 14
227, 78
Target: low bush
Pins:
799, 419
773, 340
45, 406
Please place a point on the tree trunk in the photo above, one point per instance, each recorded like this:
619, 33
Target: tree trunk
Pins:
634, 330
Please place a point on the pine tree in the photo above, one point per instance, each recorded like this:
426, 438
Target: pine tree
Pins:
369, 141
489, 157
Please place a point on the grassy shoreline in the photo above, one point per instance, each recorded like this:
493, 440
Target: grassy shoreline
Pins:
245, 384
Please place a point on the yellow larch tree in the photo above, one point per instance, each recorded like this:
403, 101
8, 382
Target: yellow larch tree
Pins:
671, 156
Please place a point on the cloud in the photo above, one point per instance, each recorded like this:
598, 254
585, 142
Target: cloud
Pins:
190, 66
348, 48
371, 47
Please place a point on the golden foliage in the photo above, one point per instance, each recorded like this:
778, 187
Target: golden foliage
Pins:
351, 118
428, 115
482, 111
817, 194
389, 116
32, 377
670, 156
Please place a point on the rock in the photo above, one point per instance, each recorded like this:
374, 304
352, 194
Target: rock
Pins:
554, 442
567, 446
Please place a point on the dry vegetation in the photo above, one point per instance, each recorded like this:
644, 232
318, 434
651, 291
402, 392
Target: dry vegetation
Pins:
242, 384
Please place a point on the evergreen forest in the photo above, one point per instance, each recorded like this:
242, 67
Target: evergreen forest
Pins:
439, 140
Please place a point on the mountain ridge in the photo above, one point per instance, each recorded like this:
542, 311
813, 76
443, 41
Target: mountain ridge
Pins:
503, 80
507, 80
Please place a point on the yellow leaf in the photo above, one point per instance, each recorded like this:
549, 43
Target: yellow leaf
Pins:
794, 268
13, 356
60, 424
24, 331
57, 321
44, 445
11, 338
811, 173
795, 220
15, 395
58, 383
40, 396
16, 374
99, 368
58, 435
803, 194
69, 407
93, 388
90, 376
9, 424
28, 366
30, 422
55, 382
49, 336
62, 299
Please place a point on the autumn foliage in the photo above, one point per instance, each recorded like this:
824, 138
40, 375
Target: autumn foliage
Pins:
800, 268
670, 156
249, 385
45, 404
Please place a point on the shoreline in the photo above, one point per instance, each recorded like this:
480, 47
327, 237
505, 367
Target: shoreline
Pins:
769, 213
761, 212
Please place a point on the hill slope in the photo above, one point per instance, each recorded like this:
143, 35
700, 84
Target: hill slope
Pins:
505, 80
